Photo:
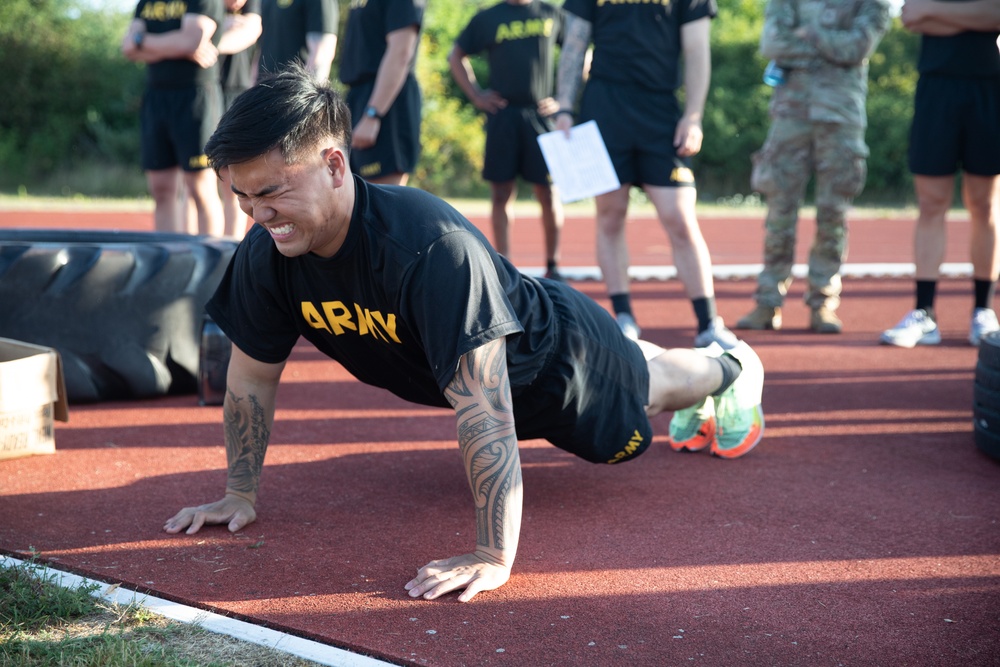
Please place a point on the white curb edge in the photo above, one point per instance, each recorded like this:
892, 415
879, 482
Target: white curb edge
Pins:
744, 271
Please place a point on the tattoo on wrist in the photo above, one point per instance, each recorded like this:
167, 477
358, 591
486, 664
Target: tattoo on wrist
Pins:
246, 435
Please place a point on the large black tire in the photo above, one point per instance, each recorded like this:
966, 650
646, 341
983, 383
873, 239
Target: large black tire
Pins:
986, 393
124, 309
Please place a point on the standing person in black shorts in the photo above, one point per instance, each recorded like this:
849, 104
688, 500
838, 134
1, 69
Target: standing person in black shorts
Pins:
380, 50
178, 42
408, 295
298, 31
956, 126
242, 29
631, 95
519, 37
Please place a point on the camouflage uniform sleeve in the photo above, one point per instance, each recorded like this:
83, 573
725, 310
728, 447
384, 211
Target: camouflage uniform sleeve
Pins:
852, 45
778, 40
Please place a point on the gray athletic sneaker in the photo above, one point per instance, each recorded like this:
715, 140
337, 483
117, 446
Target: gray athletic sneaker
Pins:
984, 321
917, 328
628, 325
716, 333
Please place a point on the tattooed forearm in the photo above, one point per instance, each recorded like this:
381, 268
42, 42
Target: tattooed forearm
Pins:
246, 433
571, 60
488, 443
494, 468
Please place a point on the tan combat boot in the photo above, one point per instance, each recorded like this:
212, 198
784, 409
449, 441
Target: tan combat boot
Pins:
761, 318
825, 321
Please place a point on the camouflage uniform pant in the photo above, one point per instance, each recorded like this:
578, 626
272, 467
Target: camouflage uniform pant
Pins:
793, 152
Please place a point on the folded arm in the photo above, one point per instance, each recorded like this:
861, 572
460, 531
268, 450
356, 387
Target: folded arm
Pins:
778, 39
480, 394
933, 17
248, 414
241, 32
853, 45
192, 41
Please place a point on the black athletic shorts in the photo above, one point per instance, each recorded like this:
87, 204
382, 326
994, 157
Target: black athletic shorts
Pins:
956, 125
512, 146
397, 148
590, 397
176, 124
638, 128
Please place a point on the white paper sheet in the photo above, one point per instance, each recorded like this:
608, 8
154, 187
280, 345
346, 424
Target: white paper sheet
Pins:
580, 165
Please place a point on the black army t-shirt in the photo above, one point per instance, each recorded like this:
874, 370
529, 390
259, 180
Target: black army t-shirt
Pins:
160, 17
364, 43
414, 287
639, 43
519, 41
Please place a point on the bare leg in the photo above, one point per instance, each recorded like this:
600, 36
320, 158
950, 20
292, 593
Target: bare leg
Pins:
203, 188
981, 195
502, 215
612, 249
934, 196
675, 208
164, 187
678, 378
552, 220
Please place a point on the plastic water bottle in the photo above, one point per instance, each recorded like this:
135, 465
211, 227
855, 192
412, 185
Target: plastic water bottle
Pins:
774, 75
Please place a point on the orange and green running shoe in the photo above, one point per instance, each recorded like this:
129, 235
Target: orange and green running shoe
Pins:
693, 429
739, 418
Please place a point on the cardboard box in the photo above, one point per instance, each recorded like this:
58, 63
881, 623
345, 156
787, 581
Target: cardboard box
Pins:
32, 394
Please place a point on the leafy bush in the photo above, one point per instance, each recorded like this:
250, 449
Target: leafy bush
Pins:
71, 100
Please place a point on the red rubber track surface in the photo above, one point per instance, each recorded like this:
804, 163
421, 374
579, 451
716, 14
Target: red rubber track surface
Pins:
864, 530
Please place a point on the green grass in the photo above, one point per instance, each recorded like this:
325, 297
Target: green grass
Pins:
43, 624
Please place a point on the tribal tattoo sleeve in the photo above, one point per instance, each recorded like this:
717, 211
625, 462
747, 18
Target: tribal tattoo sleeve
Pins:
480, 394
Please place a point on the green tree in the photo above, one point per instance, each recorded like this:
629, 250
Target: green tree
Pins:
452, 129
70, 99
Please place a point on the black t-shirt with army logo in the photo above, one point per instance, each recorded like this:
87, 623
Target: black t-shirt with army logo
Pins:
519, 41
163, 16
413, 288
368, 23
639, 43
285, 25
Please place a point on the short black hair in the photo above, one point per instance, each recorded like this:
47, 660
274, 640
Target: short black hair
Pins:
288, 110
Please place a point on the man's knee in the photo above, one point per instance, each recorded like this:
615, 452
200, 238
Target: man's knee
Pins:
611, 214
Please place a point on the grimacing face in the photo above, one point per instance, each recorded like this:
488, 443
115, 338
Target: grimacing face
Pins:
304, 206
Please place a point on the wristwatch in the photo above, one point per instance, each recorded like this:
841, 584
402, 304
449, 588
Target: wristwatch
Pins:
138, 37
372, 112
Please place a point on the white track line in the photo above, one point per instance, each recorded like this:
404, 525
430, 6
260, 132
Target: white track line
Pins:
743, 271
223, 625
